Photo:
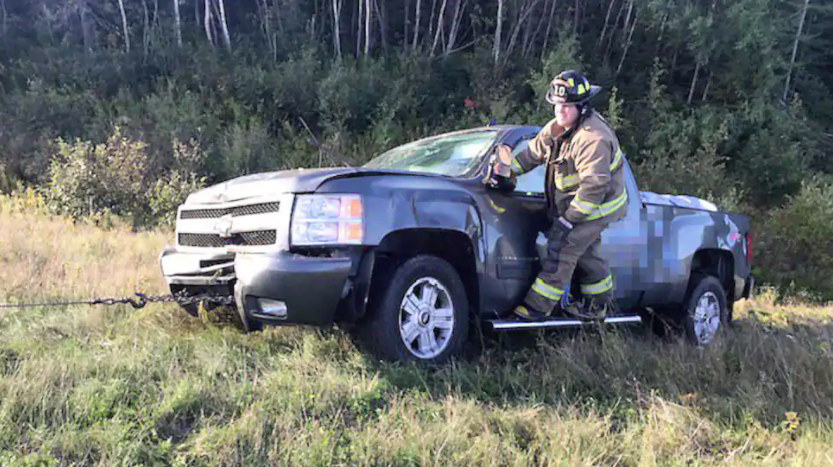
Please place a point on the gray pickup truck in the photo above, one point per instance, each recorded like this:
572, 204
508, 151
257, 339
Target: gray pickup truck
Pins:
413, 249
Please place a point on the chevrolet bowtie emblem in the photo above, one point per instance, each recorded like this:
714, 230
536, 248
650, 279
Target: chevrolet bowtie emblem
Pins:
223, 226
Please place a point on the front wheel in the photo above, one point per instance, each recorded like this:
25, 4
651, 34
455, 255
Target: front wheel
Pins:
422, 313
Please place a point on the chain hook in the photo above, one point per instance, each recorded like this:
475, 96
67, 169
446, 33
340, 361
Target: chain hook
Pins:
140, 303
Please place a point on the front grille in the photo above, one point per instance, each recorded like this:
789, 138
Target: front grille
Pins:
259, 237
251, 209
203, 214
247, 210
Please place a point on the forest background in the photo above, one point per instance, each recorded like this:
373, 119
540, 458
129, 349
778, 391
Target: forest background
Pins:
117, 109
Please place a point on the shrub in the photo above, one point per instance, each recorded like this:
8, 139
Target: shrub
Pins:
350, 94
169, 191
246, 147
796, 241
112, 178
87, 179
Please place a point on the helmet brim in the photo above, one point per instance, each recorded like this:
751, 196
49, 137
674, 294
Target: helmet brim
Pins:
553, 99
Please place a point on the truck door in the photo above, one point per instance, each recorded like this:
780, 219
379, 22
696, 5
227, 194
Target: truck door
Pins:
513, 222
523, 221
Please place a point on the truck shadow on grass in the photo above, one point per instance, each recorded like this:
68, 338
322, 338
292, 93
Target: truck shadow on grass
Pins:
754, 369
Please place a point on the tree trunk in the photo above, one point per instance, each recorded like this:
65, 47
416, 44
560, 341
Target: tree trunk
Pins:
661, 32
674, 58
4, 23
380, 14
693, 82
124, 27
265, 23
273, 40
627, 44
207, 23
276, 7
612, 33
155, 26
416, 26
368, 12
336, 28
224, 24
525, 12
525, 39
405, 34
706, 90
455, 25
85, 28
439, 30
607, 21
795, 51
549, 28
431, 20
628, 18
359, 26
577, 19
146, 41
497, 45
530, 40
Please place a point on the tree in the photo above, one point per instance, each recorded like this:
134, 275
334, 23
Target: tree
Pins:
795, 49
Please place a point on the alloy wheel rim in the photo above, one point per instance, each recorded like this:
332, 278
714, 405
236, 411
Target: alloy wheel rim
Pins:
426, 318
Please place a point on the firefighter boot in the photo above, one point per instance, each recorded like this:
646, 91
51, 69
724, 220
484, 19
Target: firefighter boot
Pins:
594, 308
535, 307
603, 305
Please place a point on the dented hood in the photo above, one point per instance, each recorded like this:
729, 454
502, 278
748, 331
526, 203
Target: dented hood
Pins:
285, 181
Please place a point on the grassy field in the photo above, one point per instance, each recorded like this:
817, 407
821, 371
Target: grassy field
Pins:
113, 386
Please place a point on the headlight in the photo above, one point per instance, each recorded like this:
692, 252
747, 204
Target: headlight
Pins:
327, 220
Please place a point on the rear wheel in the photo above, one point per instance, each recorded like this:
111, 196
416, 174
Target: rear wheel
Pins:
705, 312
421, 314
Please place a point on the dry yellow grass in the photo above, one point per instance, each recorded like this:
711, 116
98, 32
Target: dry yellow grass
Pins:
112, 386
50, 257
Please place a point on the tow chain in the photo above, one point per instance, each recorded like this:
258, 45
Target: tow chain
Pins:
137, 302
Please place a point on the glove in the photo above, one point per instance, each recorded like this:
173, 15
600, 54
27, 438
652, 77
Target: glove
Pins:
503, 161
561, 228
500, 174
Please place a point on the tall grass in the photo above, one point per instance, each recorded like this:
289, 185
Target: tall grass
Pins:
113, 386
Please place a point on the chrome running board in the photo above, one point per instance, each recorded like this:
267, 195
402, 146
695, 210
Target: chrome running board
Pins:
515, 325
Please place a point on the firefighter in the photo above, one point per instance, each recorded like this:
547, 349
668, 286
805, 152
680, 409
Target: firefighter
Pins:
585, 189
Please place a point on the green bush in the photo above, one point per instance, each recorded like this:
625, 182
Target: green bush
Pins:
87, 179
795, 243
36, 116
246, 147
683, 152
350, 94
165, 194
113, 178
772, 150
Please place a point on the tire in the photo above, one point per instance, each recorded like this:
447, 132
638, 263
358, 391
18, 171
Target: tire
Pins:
704, 312
403, 326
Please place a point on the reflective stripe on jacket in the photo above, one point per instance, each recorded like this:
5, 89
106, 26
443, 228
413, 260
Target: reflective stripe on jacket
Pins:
585, 180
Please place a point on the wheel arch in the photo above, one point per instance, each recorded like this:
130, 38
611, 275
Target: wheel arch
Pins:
453, 246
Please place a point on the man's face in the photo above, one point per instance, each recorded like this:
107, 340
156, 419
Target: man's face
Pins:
565, 115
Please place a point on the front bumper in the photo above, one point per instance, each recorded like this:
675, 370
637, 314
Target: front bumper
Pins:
310, 287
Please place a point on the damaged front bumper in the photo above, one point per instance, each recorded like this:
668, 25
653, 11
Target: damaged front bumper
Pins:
277, 287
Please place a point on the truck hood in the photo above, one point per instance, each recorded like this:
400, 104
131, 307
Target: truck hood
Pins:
284, 181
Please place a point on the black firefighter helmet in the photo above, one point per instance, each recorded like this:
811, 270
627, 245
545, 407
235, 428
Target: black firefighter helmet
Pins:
571, 88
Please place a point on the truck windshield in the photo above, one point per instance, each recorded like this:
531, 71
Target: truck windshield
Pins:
451, 154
